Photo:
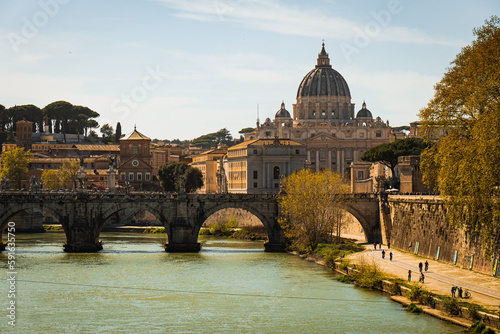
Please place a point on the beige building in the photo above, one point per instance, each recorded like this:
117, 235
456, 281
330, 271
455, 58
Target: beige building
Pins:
208, 162
325, 122
256, 166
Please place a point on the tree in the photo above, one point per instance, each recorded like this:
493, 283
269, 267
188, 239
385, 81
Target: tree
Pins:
388, 153
15, 164
67, 173
50, 179
61, 112
171, 175
223, 136
107, 133
193, 178
29, 112
118, 132
246, 130
465, 111
310, 207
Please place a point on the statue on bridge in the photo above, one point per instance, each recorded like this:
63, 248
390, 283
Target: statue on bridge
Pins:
4, 184
35, 183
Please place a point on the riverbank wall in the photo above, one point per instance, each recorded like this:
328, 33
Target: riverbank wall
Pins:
418, 224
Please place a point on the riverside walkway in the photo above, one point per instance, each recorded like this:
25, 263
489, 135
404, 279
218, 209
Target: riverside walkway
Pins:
440, 277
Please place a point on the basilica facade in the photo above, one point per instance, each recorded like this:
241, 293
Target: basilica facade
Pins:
324, 120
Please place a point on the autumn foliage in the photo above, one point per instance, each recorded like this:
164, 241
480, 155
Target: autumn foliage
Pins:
311, 207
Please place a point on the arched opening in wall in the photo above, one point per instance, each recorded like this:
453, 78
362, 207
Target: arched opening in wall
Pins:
235, 223
133, 229
30, 220
28, 226
351, 229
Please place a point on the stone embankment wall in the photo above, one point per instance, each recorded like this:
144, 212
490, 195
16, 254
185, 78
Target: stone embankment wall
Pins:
418, 224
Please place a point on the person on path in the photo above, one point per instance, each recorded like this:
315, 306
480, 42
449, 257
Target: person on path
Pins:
460, 292
375, 245
409, 275
426, 265
453, 290
421, 279
383, 254
388, 244
390, 256
420, 266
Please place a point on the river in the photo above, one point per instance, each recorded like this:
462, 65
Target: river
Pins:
231, 286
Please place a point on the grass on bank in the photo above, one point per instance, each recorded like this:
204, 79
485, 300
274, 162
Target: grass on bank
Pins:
53, 228
156, 230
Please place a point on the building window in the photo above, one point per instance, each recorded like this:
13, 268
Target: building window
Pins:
131, 176
378, 134
333, 113
348, 154
122, 177
297, 151
323, 113
322, 154
360, 175
254, 151
139, 176
314, 113
255, 185
255, 174
276, 185
135, 150
276, 172
268, 134
361, 135
148, 176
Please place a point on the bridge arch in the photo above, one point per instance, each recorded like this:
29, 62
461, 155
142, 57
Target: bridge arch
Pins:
267, 217
366, 211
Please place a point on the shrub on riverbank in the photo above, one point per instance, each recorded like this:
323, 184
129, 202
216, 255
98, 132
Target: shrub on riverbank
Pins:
418, 293
451, 306
331, 252
412, 308
365, 275
479, 327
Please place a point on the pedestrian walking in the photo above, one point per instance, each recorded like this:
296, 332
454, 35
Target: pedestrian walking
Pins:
421, 279
375, 245
409, 275
390, 256
453, 290
383, 254
420, 265
460, 292
389, 244
426, 265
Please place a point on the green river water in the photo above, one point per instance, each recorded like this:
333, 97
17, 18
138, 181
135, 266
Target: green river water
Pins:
133, 286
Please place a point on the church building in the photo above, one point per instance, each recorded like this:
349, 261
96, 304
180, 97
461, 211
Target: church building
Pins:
135, 161
324, 119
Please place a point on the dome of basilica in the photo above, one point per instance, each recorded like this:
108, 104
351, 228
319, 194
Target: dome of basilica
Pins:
363, 112
323, 80
282, 113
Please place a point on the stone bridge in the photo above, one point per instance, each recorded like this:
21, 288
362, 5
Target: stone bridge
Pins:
83, 215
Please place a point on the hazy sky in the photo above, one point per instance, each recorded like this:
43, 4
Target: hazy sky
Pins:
180, 68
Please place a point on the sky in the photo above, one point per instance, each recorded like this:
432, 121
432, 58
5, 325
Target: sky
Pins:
178, 69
